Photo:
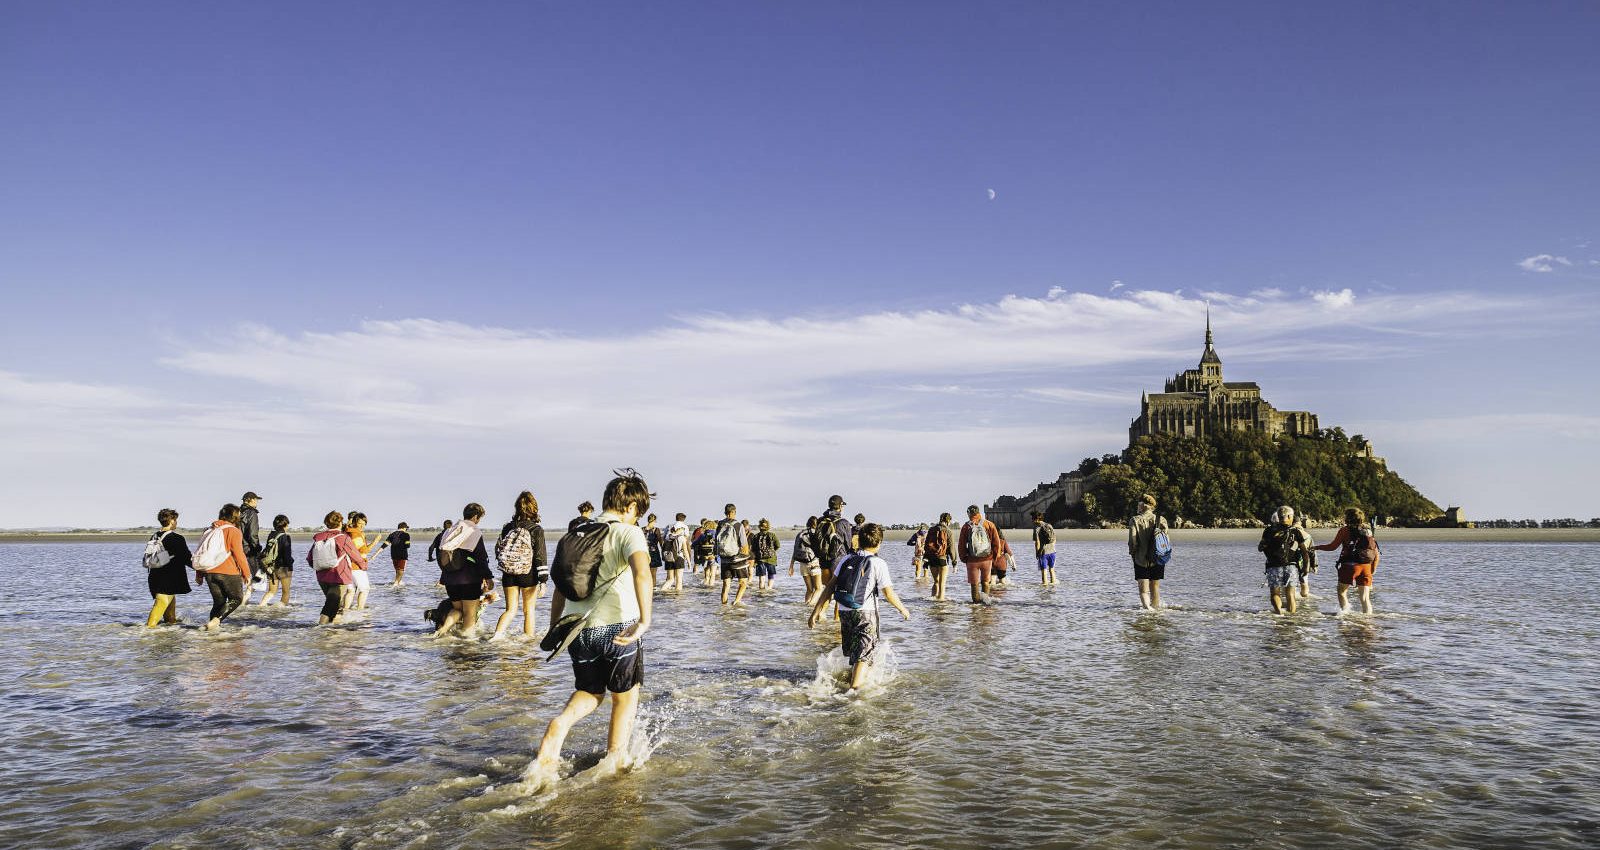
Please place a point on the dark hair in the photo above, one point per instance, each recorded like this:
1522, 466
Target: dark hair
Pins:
354, 518
811, 522
166, 515
835, 502
280, 522
860, 518
627, 488
763, 523
651, 518
527, 507
402, 526
729, 508
869, 535
1038, 515
333, 520
229, 513
448, 523
1355, 516
586, 507
972, 510
472, 511
945, 517
681, 517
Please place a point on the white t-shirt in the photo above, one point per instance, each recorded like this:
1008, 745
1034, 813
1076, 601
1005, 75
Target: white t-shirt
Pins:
880, 580
618, 603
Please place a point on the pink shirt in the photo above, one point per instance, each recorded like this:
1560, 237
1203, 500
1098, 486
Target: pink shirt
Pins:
348, 554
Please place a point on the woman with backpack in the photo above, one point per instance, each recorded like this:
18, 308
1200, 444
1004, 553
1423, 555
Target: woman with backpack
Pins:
166, 561
222, 565
805, 554
334, 555
936, 554
464, 570
521, 554
277, 560
1358, 559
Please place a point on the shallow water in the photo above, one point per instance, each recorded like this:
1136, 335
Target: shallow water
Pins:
1466, 714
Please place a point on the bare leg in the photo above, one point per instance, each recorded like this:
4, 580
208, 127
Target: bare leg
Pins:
743, 583
158, 610
513, 599
469, 614
1272, 597
1288, 598
624, 707
530, 612
1344, 597
450, 619
1155, 593
283, 583
725, 585
578, 707
1366, 598
1144, 593
858, 674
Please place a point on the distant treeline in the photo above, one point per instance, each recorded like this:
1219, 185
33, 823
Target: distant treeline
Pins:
1243, 474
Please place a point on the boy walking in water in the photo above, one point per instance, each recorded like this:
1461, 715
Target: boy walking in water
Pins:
1286, 545
766, 552
733, 550
854, 587
979, 546
608, 655
1044, 548
1148, 571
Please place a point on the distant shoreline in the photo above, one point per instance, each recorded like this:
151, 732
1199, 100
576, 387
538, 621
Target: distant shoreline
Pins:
1021, 537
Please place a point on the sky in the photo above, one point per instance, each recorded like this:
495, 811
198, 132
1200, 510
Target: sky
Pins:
400, 256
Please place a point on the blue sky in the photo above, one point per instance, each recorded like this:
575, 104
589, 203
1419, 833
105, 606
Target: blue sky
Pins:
396, 256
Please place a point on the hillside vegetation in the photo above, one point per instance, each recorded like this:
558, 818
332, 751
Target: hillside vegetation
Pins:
1243, 475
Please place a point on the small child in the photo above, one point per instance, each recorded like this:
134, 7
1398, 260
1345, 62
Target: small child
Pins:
854, 586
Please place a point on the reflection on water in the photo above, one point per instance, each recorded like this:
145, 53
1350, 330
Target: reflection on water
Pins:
1059, 717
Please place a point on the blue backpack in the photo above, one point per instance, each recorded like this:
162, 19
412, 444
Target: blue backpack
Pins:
1163, 548
853, 582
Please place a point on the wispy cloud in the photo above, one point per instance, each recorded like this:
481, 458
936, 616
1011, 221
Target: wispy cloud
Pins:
1335, 300
1543, 263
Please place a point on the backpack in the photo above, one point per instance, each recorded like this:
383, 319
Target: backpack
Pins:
269, 553
728, 534
213, 551
830, 543
1162, 547
705, 545
325, 554
156, 555
938, 543
1359, 548
978, 543
514, 551
579, 555
852, 583
1283, 546
805, 551
766, 546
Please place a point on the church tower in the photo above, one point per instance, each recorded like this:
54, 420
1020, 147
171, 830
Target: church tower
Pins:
1210, 363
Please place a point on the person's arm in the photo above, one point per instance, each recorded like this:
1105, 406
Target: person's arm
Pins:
539, 557
644, 587
894, 599
558, 603
1336, 542
481, 554
348, 547
1262, 546
433, 548
178, 548
1133, 536
823, 597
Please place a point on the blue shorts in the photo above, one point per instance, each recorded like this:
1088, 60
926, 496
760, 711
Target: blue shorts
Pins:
768, 570
1280, 577
1047, 562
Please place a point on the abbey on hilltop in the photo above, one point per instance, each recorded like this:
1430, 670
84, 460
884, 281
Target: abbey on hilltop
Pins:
1198, 403
1194, 403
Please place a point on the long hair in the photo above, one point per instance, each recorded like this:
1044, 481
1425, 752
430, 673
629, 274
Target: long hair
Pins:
527, 507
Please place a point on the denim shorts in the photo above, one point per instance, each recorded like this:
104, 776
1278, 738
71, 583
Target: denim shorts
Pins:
1280, 577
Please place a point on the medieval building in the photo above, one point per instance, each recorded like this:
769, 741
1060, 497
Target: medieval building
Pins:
1199, 403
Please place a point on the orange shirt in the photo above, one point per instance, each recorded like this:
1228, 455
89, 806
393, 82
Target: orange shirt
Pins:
237, 564
359, 540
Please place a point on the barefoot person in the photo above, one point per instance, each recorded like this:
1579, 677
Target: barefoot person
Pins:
705, 550
399, 545
1148, 568
764, 544
978, 547
356, 527
464, 571
936, 554
916, 541
221, 563
1285, 545
1044, 548
166, 562
1358, 559
250, 531
608, 654
334, 555
676, 555
433, 548
835, 537
804, 554
733, 551
521, 554
277, 558
655, 537
855, 585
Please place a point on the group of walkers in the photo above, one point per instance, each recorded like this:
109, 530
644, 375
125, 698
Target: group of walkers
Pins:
606, 571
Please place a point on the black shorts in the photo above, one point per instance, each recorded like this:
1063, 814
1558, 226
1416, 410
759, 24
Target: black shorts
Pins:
935, 562
464, 592
599, 665
1155, 573
733, 570
532, 579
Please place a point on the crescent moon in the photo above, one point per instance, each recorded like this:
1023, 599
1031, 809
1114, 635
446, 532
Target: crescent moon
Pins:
991, 194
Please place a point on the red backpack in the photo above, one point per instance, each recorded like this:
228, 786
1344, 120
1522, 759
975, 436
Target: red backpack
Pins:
938, 543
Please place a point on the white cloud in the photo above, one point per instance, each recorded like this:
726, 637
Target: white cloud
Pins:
906, 412
1055, 292
1267, 293
1334, 300
1543, 263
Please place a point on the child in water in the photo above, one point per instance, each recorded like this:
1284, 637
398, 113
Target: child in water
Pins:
855, 586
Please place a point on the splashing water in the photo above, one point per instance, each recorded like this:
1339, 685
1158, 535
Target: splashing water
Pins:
832, 682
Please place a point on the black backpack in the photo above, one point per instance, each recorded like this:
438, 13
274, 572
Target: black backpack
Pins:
830, 542
576, 570
1283, 546
853, 583
766, 546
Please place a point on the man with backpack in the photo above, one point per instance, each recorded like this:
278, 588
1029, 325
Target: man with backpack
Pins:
1044, 548
610, 567
250, 530
765, 547
854, 587
917, 539
979, 546
1147, 544
733, 551
1286, 546
936, 554
835, 537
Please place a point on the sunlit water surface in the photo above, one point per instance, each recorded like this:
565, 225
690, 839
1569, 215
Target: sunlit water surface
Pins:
1466, 714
